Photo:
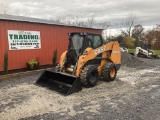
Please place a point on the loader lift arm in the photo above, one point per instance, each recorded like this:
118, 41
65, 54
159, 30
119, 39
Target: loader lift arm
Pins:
110, 52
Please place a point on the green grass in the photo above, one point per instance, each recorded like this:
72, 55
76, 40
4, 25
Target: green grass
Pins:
131, 50
157, 52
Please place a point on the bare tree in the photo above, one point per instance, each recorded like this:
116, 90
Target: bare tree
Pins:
103, 25
127, 24
68, 19
91, 22
7, 9
82, 24
21, 12
157, 37
153, 37
137, 33
4, 8
75, 20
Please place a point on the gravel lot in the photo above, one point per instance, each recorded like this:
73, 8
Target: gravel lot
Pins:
135, 95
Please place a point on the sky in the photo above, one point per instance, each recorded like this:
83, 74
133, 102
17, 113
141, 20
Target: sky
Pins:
147, 12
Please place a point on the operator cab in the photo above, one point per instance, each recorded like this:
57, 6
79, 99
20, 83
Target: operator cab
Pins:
78, 42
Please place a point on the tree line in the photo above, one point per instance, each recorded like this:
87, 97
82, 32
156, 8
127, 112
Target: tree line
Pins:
134, 35
5, 8
141, 36
131, 34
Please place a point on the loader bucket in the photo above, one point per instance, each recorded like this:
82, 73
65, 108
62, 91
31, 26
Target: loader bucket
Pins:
60, 82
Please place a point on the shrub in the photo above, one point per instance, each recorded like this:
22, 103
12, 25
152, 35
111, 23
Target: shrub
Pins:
33, 63
128, 42
54, 59
5, 63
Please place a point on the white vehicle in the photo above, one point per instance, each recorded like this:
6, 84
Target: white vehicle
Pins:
145, 51
123, 49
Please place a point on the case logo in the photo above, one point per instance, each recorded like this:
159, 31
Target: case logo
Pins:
100, 50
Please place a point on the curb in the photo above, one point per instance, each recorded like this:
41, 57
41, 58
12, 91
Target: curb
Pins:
20, 74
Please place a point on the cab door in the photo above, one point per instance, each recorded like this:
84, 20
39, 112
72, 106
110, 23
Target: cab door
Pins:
94, 41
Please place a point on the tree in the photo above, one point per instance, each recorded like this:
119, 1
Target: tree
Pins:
137, 33
103, 25
7, 9
120, 38
127, 24
153, 37
75, 20
157, 37
69, 20
128, 42
149, 36
4, 8
21, 12
91, 22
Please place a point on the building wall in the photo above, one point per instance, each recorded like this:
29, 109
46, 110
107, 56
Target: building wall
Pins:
52, 37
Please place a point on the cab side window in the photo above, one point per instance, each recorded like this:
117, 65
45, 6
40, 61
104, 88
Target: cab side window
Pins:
90, 41
93, 41
97, 41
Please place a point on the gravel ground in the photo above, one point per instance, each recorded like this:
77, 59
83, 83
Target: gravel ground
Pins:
135, 95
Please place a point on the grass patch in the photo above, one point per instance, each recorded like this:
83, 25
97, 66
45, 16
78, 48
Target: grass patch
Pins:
131, 50
157, 52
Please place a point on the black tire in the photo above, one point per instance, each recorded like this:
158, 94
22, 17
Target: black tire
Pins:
89, 76
109, 72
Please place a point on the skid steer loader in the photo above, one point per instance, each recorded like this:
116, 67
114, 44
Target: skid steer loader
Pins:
86, 60
145, 51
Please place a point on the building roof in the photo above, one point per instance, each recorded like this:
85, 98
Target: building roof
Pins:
36, 20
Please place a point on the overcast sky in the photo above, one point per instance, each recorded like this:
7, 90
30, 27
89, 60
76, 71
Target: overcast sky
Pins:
147, 11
